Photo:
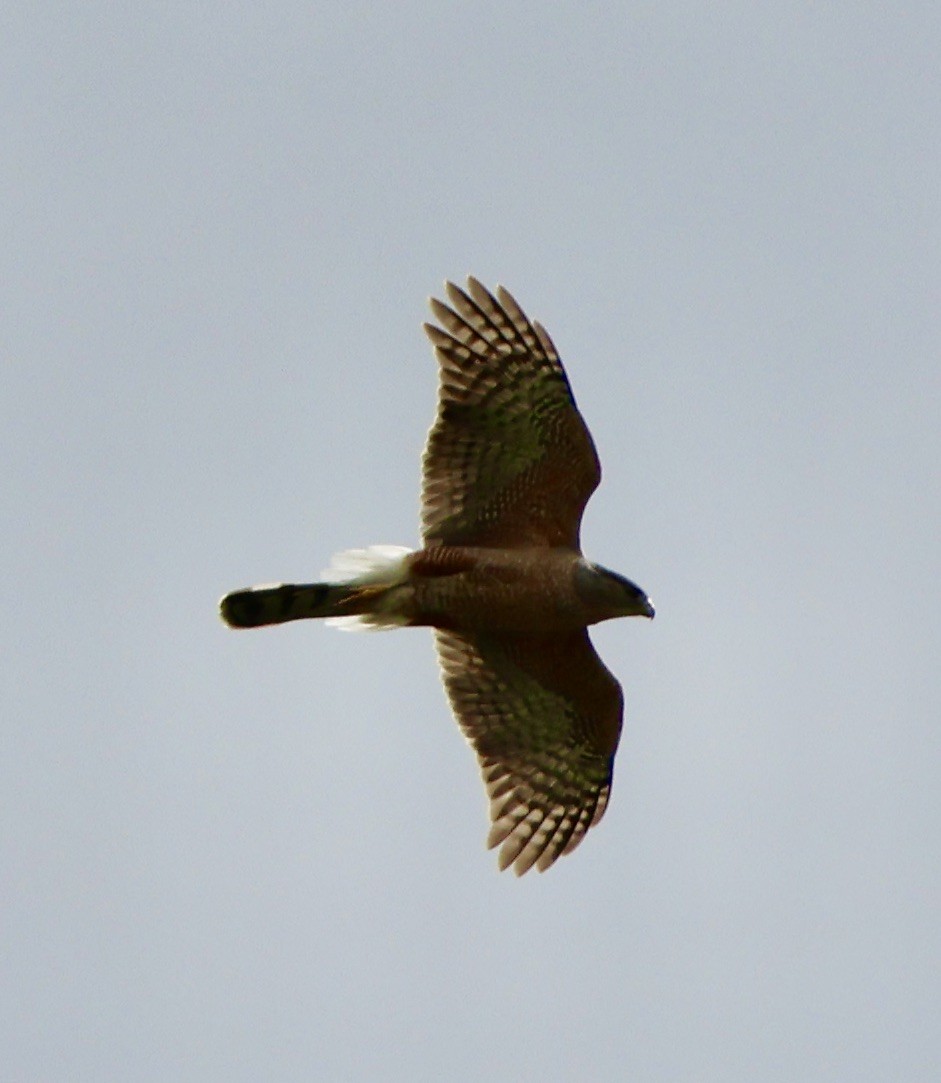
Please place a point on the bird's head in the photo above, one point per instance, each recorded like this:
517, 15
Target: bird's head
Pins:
607, 594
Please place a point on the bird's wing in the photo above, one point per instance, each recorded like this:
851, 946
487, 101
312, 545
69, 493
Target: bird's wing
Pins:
544, 716
509, 461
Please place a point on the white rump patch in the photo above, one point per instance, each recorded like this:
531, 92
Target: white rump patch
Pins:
374, 566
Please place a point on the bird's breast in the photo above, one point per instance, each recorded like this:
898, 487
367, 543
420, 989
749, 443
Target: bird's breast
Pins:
497, 590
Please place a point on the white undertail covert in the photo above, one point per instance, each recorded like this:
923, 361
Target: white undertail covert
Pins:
374, 566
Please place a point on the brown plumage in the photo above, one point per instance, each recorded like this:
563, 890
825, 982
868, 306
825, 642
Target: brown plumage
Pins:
508, 468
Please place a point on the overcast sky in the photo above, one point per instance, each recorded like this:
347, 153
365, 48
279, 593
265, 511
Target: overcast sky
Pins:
260, 855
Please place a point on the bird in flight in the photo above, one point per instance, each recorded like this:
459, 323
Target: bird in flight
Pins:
507, 471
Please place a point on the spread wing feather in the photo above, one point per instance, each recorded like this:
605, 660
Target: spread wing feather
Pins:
544, 716
509, 461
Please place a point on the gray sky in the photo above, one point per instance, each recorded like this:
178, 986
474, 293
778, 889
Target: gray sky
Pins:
260, 855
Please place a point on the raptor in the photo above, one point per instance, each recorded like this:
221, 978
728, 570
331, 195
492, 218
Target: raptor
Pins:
508, 469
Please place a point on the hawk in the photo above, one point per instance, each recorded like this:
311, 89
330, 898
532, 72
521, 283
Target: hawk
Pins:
507, 471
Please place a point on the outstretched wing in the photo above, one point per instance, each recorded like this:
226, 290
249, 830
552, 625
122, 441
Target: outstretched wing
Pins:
544, 716
509, 461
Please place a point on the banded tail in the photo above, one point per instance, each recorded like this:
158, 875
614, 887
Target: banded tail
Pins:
357, 594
